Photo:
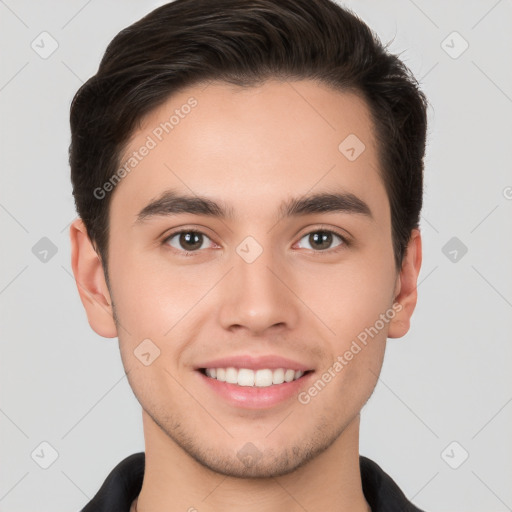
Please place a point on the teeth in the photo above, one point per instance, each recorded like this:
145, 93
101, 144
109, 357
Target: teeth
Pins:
263, 378
289, 375
231, 375
245, 377
259, 378
278, 376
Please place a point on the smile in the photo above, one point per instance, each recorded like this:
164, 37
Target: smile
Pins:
261, 388
262, 378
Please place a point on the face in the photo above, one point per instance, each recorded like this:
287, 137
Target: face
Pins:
283, 285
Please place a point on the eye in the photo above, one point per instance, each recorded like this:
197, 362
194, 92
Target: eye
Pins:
321, 239
187, 241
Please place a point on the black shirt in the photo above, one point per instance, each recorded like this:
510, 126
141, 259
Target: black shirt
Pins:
124, 483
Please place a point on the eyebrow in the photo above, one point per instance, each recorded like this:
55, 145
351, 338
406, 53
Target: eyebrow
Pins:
172, 203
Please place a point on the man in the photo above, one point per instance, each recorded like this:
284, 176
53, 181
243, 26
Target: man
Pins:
248, 176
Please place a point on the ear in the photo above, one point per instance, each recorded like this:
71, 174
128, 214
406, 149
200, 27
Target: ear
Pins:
90, 281
406, 287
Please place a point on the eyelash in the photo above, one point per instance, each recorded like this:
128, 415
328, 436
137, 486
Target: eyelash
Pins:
346, 243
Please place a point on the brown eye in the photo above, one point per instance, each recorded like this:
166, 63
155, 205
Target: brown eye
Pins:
321, 240
186, 240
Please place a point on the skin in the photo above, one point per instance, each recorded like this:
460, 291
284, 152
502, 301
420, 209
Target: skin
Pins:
251, 148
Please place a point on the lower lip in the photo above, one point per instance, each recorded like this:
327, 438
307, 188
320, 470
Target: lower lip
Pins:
253, 397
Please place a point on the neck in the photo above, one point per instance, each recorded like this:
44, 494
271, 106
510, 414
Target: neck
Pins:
174, 481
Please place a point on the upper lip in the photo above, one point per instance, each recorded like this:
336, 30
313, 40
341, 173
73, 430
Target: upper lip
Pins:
254, 363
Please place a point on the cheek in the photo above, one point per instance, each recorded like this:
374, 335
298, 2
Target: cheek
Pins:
354, 310
156, 300
141, 288
348, 297
152, 295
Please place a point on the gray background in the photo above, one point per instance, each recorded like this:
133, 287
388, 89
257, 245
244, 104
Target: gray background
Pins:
447, 380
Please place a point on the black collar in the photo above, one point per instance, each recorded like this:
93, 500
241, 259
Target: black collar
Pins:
124, 483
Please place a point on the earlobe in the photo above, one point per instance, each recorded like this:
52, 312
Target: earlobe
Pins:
406, 288
90, 281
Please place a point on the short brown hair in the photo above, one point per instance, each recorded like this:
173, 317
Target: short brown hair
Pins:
245, 42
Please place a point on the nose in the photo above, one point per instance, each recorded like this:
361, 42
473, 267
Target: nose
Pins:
258, 295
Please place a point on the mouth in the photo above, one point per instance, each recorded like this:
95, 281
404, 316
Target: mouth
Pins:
247, 377
253, 388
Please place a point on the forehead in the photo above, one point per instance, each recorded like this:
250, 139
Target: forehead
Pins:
252, 146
